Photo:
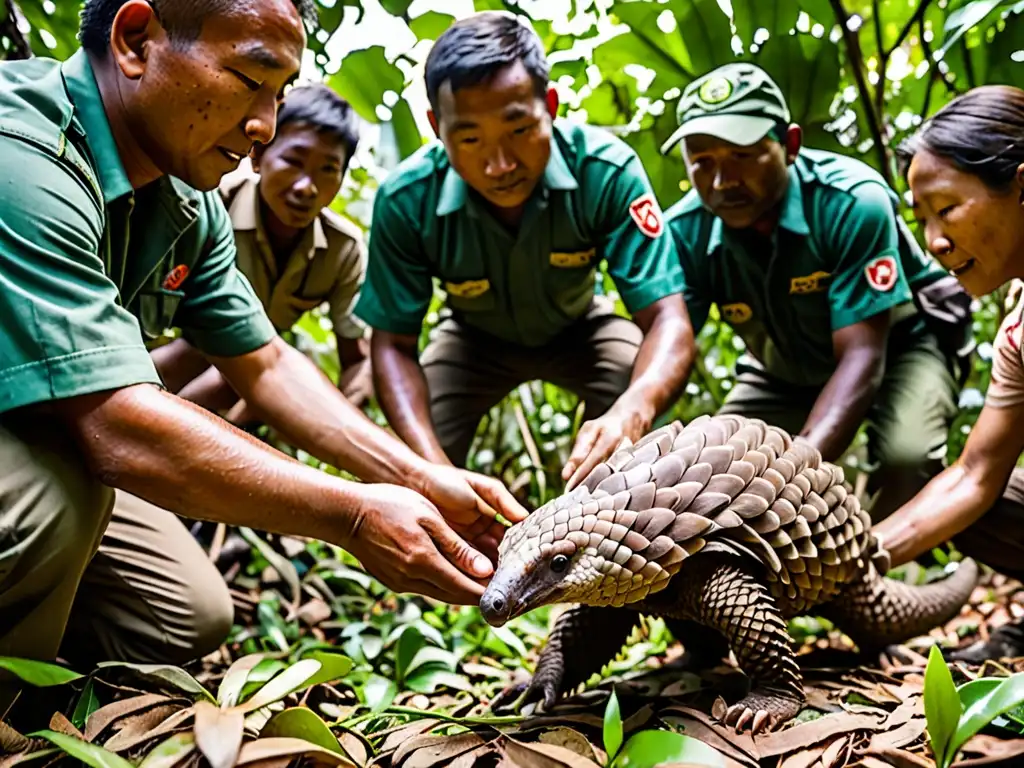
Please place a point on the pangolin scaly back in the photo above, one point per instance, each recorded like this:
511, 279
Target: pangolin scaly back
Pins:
727, 481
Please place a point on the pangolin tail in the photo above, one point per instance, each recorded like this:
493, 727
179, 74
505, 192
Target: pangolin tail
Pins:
878, 611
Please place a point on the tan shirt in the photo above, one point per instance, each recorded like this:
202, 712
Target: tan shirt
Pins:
327, 265
1006, 388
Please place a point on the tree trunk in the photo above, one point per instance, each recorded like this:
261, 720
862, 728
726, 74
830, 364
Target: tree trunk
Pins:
17, 46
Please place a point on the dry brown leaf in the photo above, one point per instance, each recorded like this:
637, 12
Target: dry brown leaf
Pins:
571, 740
905, 734
815, 732
899, 758
426, 741
354, 748
60, 724
11, 741
104, 716
872, 762
526, 755
445, 750
403, 733
133, 726
129, 737
833, 754
269, 752
738, 746
218, 733
314, 612
637, 719
471, 758
805, 758
990, 750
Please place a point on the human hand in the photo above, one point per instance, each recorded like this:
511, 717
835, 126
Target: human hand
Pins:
470, 502
401, 540
601, 437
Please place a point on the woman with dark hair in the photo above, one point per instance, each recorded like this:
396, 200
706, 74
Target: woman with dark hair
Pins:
965, 169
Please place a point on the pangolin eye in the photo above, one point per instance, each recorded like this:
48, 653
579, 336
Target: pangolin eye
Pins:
559, 563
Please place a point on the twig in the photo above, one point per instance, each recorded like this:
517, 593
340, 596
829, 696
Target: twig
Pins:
933, 66
883, 59
218, 542
917, 17
857, 64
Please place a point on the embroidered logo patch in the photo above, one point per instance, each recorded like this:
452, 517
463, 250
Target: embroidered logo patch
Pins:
575, 259
469, 289
812, 283
175, 277
646, 214
715, 91
737, 313
882, 273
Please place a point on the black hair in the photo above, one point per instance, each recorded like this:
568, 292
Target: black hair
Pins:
473, 50
319, 107
981, 132
183, 19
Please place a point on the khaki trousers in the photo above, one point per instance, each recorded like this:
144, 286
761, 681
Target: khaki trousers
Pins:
468, 372
89, 574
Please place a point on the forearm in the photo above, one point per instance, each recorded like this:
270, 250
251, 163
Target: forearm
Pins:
405, 399
949, 504
180, 457
295, 398
843, 403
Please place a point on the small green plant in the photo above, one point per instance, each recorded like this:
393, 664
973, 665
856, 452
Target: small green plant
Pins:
954, 714
648, 748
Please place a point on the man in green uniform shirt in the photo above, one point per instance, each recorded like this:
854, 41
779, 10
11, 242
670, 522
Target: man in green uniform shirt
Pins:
110, 231
805, 255
514, 212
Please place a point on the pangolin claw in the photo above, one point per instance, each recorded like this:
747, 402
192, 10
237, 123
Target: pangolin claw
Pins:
761, 712
515, 697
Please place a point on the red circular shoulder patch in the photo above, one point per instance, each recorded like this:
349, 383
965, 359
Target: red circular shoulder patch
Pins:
646, 214
882, 273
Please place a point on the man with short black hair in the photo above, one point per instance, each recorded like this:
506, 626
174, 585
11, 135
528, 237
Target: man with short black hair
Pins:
514, 211
111, 231
808, 260
293, 249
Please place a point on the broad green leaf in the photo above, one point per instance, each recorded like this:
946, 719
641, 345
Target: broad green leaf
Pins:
612, 731
510, 639
234, 679
962, 19
170, 752
334, 666
647, 749
91, 754
983, 700
430, 25
409, 644
378, 692
293, 679
41, 674
218, 733
426, 680
277, 747
819, 10
88, 703
807, 71
941, 705
176, 677
302, 723
407, 133
751, 15
428, 654
363, 79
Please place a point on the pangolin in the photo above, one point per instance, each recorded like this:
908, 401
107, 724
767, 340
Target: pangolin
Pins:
726, 527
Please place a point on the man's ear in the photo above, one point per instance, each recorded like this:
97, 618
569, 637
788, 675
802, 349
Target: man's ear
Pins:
794, 140
552, 101
134, 28
433, 122
1020, 181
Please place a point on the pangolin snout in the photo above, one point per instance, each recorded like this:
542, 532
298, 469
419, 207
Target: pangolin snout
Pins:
495, 607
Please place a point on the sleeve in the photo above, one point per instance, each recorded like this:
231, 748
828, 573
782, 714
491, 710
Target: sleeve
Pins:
64, 332
695, 288
868, 277
1006, 386
640, 254
220, 314
346, 289
398, 286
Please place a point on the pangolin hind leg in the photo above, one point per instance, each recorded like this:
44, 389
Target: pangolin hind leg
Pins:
583, 640
724, 594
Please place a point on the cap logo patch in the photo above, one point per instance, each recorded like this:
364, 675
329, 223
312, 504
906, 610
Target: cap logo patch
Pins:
647, 215
882, 273
715, 91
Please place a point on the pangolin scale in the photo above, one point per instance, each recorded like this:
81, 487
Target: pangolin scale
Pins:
727, 528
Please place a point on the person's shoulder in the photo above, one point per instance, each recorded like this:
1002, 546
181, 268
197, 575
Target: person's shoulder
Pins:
835, 173
34, 105
339, 228
585, 145
417, 174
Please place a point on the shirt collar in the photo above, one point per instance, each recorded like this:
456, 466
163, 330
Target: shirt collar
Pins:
557, 176
85, 96
246, 215
792, 217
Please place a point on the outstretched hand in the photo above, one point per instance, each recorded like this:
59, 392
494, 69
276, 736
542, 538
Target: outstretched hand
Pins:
598, 439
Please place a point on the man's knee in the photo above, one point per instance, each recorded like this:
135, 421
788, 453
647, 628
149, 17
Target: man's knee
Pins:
213, 615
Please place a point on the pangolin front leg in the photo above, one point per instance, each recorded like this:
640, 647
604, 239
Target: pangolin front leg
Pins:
727, 597
583, 640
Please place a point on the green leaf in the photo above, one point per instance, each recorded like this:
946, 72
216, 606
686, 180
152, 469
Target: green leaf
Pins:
430, 25
302, 723
88, 703
170, 752
334, 666
428, 654
820, 11
409, 644
363, 79
962, 19
91, 754
509, 638
234, 679
647, 749
941, 705
407, 133
777, 17
293, 679
176, 677
426, 679
612, 726
396, 7
983, 700
38, 673
378, 692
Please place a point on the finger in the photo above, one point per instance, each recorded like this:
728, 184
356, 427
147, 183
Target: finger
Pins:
598, 453
584, 443
495, 496
462, 558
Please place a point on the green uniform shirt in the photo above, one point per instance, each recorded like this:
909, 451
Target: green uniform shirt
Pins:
594, 202
89, 270
840, 255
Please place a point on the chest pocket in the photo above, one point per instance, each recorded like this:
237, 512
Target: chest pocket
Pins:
570, 279
157, 302
470, 295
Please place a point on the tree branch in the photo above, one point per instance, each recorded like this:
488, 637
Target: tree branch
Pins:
883, 60
933, 65
856, 59
20, 49
917, 17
